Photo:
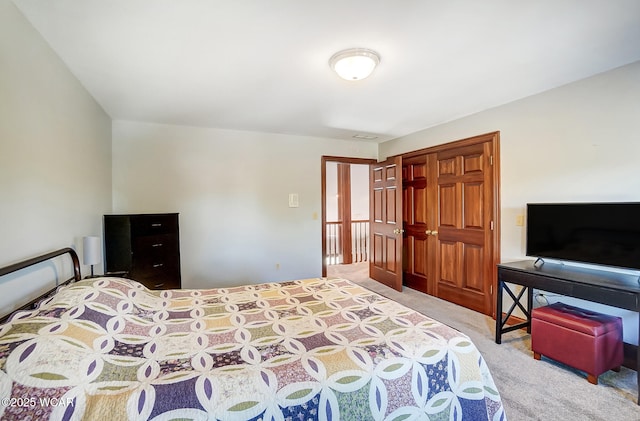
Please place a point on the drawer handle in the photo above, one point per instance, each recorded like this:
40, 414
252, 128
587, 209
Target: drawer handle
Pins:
157, 265
158, 285
156, 225
157, 245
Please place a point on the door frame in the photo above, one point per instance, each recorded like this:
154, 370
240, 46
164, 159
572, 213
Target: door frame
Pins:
494, 137
340, 159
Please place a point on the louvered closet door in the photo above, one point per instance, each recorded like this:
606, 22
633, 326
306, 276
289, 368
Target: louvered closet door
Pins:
463, 233
386, 222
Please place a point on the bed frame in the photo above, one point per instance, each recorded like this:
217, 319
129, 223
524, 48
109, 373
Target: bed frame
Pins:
34, 261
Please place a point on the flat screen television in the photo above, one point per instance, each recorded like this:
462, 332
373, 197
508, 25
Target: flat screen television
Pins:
596, 233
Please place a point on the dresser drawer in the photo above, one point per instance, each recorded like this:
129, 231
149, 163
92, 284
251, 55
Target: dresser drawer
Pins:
163, 281
150, 265
142, 225
153, 246
155, 269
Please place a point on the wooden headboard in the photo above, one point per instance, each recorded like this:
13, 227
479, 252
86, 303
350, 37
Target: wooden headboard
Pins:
39, 259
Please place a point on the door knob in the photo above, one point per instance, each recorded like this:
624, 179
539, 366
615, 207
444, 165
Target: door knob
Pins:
434, 233
398, 231
428, 232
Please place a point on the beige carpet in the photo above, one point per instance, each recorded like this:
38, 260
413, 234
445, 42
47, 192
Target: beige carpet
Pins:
530, 389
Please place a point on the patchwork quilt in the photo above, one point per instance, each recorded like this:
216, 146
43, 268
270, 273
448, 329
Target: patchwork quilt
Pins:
314, 349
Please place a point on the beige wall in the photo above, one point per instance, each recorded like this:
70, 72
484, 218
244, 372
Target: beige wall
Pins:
55, 154
231, 189
578, 142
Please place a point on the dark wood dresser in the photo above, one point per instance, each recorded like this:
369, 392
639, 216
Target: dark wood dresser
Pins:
146, 246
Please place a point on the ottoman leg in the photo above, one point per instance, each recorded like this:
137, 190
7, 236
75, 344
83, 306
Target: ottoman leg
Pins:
592, 379
537, 356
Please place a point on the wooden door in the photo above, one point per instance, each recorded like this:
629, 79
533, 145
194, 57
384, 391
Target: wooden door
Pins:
418, 257
465, 223
386, 222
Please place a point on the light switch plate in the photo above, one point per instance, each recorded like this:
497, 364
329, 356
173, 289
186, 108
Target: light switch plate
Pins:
293, 200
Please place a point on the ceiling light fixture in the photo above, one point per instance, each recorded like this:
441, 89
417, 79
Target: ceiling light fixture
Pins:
354, 63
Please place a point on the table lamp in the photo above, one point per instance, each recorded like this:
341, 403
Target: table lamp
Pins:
91, 251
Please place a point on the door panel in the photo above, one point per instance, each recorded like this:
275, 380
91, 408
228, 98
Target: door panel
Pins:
378, 249
464, 187
473, 261
416, 201
386, 222
448, 204
449, 263
446, 166
392, 256
473, 215
391, 215
473, 163
377, 203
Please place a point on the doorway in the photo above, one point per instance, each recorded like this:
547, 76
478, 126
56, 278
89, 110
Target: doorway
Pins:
345, 217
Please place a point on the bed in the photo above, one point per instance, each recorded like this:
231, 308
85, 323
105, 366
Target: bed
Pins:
311, 349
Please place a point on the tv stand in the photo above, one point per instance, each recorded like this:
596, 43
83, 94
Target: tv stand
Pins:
610, 288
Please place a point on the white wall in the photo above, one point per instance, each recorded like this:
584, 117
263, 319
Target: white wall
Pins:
359, 191
578, 142
331, 191
55, 154
231, 189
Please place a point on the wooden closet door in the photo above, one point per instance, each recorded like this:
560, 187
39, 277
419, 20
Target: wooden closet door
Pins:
464, 226
418, 256
386, 222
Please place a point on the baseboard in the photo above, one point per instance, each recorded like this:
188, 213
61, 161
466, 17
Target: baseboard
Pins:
630, 350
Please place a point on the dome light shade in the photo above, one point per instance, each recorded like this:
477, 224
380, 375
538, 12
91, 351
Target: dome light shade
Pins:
354, 63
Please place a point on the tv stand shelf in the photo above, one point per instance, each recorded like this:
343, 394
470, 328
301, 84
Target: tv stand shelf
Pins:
610, 288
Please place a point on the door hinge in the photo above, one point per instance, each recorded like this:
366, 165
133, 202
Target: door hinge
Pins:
491, 290
491, 226
490, 159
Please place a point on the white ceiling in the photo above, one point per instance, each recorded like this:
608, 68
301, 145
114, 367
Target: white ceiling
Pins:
262, 65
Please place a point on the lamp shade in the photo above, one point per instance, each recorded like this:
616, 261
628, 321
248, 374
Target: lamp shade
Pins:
354, 63
91, 254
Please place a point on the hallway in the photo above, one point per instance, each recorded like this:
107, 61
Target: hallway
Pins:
355, 272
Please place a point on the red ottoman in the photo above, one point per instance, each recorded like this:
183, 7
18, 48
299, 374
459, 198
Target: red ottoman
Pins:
582, 339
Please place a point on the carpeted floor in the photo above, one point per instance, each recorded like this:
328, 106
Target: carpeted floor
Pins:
530, 389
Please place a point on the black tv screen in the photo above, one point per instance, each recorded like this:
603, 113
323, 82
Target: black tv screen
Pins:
597, 233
